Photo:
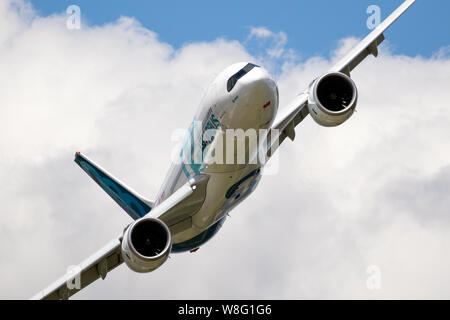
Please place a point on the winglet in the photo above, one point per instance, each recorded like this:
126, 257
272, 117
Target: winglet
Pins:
133, 203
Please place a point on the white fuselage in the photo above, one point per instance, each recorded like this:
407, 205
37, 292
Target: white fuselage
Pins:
248, 101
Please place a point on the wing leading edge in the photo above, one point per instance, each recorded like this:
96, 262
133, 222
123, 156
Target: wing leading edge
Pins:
110, 256
96, 266
297, 109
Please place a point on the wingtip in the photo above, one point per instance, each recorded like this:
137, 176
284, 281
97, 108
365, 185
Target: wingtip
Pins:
409, 2
77, 156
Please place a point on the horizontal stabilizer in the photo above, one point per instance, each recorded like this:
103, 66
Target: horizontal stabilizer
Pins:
133, 203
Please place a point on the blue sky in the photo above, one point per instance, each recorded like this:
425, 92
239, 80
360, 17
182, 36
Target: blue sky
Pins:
312, 27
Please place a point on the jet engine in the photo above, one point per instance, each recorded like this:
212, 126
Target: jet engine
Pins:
146, 244
332, 99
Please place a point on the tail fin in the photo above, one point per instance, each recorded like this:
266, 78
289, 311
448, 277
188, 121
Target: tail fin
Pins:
133, 203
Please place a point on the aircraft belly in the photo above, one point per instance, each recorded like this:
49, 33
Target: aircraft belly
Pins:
224, 191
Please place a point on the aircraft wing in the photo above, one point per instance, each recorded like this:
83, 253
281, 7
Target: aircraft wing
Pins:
110, 256
297, 110
96, 266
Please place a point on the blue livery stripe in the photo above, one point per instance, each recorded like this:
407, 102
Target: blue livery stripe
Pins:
198, 240
134, 206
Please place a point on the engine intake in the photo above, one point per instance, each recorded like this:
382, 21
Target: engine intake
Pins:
332, 99
146, 244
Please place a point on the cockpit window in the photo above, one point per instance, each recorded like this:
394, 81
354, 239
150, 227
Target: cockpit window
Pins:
234, 79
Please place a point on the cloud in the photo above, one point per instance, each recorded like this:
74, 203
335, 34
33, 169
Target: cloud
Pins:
370, 192
277, 40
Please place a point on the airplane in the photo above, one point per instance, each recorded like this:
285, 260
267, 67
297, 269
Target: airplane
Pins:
197, 194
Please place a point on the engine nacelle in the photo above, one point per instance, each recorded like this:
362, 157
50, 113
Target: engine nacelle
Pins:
146, 244
332, 99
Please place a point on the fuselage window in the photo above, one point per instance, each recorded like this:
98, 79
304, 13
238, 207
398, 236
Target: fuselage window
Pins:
234, 79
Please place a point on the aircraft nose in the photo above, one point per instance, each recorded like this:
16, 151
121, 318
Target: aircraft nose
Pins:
265, 96
258, 100
263, 89
263, 86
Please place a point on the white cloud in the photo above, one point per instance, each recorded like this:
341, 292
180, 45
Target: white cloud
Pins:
373, 191
278, 40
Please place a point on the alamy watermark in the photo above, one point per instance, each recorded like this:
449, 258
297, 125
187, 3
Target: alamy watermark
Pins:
200, 148
374, 19
74, 280
73, 21
373, 281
